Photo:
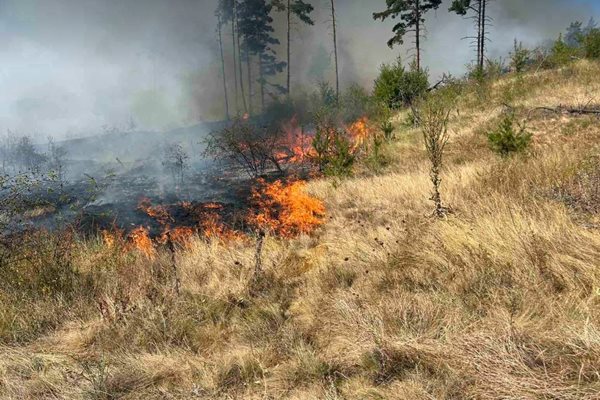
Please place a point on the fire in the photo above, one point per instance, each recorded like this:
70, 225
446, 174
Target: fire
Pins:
113, 238
213, 227
286, 209
212, 206
296, 146
159, 213
204, 218
181, 236
359, 133
109, 238
140, 240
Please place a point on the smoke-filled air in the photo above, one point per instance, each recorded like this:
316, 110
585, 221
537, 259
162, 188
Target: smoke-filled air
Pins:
299, 199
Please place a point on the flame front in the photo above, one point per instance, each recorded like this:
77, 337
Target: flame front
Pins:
140, 240
159, 213
359, 133
181, 235
286, 209
296, 145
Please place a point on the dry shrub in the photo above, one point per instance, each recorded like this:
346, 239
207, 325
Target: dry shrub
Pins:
40, 286
582, 190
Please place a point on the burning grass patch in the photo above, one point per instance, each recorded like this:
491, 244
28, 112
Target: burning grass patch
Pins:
285, 209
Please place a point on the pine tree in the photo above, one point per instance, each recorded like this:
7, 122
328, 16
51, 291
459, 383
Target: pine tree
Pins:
238, 45
220, 35
479, 9
227, 12
256, 30
574, 34
300, 10
590, 26
335, 50
411, 13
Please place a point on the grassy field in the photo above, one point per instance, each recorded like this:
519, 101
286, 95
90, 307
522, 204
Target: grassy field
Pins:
500, 300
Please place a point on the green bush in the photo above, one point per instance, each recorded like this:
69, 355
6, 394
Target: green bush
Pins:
355, 103
506, 139
327, 95
332, 149
561, 53
397, 87
591, 44
341, 159
519, 58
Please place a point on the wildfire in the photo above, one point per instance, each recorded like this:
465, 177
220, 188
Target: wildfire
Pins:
286, 209
204, 218
212, 206
181, 236
296, 144
359, 132
213, 227
110, 239
139, 239
159, 213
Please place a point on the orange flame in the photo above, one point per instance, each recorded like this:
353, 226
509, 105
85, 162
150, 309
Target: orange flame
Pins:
108, 239
159, 213
286, 209
140, 240
213, 227
359, 133
296, 145
181, 236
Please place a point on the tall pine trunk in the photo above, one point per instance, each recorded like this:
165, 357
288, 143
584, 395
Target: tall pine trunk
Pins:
335, 50
418, 33
223, 71
249, 66
479, 33
482, 34
235, 74
261, 79
289, 52
243, 90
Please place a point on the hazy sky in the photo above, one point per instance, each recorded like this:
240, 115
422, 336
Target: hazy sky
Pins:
72, 66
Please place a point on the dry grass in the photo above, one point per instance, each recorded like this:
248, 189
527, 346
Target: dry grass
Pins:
498, 301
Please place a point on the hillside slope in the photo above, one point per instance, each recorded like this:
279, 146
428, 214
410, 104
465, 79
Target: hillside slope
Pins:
500, 300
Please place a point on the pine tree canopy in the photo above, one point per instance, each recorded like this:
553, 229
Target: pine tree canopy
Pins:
299, 8
461, 6
225, 11
255, 26
411, 13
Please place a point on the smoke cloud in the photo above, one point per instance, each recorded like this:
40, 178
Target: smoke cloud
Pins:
70, 67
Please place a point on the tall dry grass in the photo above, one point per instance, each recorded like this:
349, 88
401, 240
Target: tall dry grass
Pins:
500, 300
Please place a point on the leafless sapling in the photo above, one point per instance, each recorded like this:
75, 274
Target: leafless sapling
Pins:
434, 114
176, 161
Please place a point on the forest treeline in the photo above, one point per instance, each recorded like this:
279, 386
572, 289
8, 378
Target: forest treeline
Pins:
255, 73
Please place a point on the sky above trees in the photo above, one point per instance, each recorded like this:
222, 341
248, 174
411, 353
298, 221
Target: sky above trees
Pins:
72, 66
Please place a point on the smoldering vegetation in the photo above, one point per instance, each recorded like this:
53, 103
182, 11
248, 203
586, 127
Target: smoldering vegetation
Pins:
98, 181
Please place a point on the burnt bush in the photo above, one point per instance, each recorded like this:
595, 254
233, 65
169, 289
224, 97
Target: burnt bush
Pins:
251, 146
